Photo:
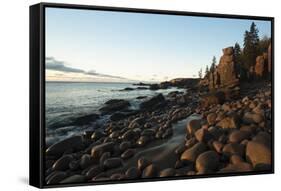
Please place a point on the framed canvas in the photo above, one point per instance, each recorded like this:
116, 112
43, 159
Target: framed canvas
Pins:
122, 95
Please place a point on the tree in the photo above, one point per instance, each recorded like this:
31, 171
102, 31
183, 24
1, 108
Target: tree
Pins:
213, 69
250, 50
263, 44
237, 54
206, 72
200, 73
213, 65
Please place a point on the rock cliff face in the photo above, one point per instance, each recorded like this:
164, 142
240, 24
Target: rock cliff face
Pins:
261, 67
225, 74
269, 58
226, 68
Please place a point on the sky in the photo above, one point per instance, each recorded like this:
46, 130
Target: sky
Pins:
106, 46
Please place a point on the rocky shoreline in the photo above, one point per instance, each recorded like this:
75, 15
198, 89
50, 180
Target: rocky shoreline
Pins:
181, 134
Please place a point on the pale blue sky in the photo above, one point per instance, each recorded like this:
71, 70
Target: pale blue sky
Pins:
135, 45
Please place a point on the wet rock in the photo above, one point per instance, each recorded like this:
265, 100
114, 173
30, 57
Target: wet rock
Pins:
86, 160
192, 153
128, 154
148, 132
258, 153
104, 156
133, 173
234, 148
94, 171
73, 143
208, 160
114, 105
143, 162
57, 177
98, 150
74, 165
167, 133
143, 140
193, 126
62, 163
238, 136
74, 179
112, 163
153, 103
87, 119
167, 172
129, 135
124, 145
97, 135
117, 176
150, 171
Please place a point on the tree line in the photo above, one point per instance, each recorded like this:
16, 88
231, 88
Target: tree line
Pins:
244, 58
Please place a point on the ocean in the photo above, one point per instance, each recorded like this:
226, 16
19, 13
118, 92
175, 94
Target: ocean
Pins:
65, 101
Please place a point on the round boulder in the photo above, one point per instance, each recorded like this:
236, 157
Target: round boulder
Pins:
207, 161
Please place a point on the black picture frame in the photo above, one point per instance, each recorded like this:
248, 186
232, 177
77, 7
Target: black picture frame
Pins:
37, 90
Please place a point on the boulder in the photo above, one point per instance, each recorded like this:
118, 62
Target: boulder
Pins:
72, 143
212, 99
202, 135
94, 171
232, 121
62, 163
234, 148
238, 136
128, 154
250, 117
87, 119
56, 177
211, 118
208, 160
167, 172
114, 105
86, 160
150, 171
239, 167
133, 173
192, 153
258, 153
112, 163
153, 103
143, 163
74, 179
98, 150
193, 126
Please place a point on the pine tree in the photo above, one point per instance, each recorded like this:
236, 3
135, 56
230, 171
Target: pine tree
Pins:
238, 60
213, 69
250, 50
213, 65
206, 72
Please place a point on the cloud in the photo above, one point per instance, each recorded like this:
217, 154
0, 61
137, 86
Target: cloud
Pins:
53, 64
